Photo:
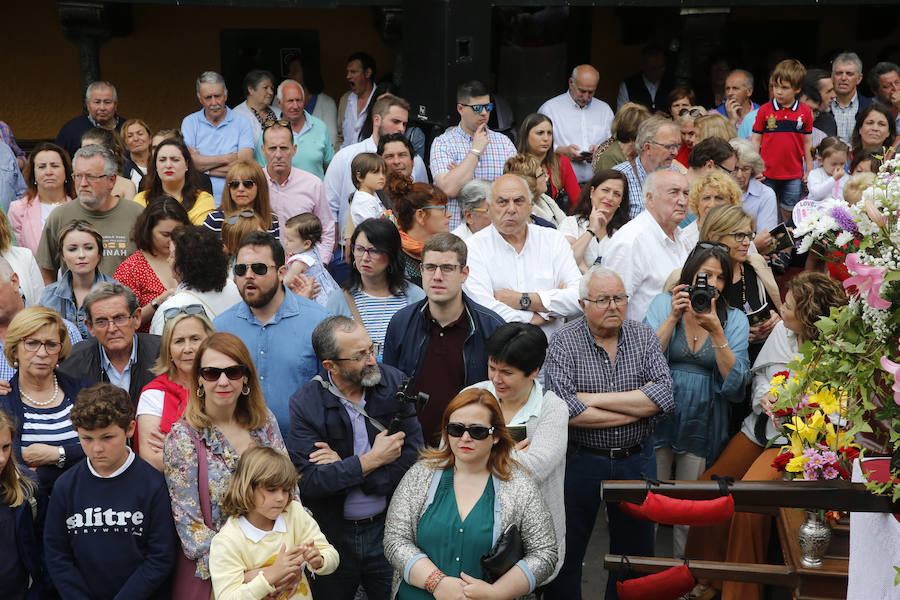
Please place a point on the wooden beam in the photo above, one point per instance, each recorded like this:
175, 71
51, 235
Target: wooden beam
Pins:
707, 569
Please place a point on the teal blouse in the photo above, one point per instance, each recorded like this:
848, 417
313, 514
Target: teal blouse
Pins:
453, 545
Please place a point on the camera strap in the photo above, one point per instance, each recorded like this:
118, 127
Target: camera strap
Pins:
334, 390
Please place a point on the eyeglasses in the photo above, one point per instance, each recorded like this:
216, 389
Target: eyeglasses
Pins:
477, 210
441, 209
477, 108
605, 301
190, 309
236, 183
372, 252
673, 148
726, 169
740, 236
374, 350
235, 218
90, 178
240, 269
273, 123
445, 269
476, 432
119, 320
233, 372
33, 345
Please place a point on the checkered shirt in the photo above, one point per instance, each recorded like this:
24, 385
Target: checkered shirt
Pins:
636, 176
575, 363
845, 117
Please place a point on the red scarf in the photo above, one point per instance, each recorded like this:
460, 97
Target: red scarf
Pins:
175, 400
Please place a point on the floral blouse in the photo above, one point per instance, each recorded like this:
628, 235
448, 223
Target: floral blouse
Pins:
181, 477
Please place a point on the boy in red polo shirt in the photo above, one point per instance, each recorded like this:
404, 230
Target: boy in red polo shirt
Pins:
782, 134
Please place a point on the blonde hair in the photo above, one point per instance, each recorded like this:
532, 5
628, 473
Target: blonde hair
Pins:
855, 186
526, 166
719, 182
714, 125
164, 363
14, 486
233, 233
26, 322
259, 465
722, 220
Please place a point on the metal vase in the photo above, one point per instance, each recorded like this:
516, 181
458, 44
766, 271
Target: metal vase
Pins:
814, 536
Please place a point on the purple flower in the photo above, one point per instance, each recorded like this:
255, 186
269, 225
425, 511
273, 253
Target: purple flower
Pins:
830, 472
843, 218
829, 456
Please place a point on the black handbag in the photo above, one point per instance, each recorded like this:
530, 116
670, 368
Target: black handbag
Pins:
504, 555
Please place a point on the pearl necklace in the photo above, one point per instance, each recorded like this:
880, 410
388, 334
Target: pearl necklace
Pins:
46, 402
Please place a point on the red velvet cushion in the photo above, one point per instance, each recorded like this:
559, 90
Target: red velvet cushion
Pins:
674, 511
665, 585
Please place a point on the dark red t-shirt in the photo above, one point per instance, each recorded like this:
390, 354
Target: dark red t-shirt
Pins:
782, 129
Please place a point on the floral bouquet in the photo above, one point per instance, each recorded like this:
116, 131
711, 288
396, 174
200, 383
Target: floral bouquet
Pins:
857, 349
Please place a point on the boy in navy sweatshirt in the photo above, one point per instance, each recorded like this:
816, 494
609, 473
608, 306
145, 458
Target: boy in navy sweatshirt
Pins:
109, 531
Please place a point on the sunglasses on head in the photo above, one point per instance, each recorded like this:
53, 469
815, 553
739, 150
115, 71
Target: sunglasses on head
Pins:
190, 309
273, 123
236, 183
247, 214
476, 432
240, 269
233, 372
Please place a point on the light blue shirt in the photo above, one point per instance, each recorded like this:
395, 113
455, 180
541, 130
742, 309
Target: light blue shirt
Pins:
760, 203
230, 135
123, 379
281, 349
746, 129
314, 147
12, 184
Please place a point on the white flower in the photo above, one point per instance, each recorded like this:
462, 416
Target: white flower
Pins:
843, 238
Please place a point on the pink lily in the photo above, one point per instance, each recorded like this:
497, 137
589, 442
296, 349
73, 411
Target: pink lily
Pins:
867, 280
894, 369
873, 214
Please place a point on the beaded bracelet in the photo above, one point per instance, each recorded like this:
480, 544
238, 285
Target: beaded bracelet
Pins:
433, 579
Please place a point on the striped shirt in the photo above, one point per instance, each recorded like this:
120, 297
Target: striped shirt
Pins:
376, 313
47, 425
216, 220
635, 175
845, 117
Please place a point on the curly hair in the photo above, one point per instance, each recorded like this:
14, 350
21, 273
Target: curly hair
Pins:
815, 294
585, 205
100, 406
409, 197
718, 181
200, 260
526, 166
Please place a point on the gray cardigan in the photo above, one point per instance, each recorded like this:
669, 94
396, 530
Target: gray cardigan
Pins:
516, 501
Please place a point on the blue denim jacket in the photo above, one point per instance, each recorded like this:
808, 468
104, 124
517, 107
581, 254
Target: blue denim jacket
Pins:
60, 297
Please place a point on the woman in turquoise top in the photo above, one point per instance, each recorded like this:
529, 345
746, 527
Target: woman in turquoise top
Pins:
451, 506
707, 354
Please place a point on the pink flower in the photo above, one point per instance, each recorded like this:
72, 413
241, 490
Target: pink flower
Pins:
867, 279
894, 369
873, 214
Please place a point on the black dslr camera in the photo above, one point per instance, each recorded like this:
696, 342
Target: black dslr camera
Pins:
405, 396
701, 294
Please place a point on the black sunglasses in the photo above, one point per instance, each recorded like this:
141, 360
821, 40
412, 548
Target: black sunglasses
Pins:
713, 246
240, 269
233, 372
235, 183
271, 123
476, 432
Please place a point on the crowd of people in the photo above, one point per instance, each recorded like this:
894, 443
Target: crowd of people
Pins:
298, 349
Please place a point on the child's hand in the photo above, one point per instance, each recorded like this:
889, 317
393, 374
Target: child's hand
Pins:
286, 563
838, 172
312, 555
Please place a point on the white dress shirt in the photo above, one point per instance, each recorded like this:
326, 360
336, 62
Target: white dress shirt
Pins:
352, 122
644, 257
339, 186
544, 263
584, 127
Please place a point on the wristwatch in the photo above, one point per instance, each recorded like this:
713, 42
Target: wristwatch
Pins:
61, 461
525, 301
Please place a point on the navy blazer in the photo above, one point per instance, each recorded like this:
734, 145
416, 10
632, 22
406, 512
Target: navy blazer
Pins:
317, 415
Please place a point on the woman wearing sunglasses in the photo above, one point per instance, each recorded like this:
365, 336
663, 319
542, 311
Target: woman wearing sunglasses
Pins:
421, 211
172, 173
451, 507
537, 419
200, 267
375, 288
246, 194
225, 415
706, 347
162, 401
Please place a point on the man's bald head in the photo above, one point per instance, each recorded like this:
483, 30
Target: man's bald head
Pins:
583, 84
510, 204
666, 198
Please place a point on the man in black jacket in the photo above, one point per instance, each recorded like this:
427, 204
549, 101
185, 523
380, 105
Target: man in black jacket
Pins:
116, 354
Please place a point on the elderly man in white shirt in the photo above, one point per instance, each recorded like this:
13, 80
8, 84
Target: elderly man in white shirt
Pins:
524, 273
646, 250
580, 121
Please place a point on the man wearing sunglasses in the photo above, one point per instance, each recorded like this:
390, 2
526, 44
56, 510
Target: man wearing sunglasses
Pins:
615, 380
116, 353
348, 463
470, 150
275, 323
580, 121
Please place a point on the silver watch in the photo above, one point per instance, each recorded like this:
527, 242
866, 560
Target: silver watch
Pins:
61, 461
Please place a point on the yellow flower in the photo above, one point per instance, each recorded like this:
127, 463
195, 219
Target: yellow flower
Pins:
795, 465
806, 432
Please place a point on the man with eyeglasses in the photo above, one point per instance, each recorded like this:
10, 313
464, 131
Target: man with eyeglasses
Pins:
101, 102
614, 378
313, 149
658, 141
580, 121
349, 463
469, 150
94, 170
439, 341
275, 323
116, 354
711, 153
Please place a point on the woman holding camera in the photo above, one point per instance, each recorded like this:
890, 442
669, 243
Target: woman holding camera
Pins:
705, 342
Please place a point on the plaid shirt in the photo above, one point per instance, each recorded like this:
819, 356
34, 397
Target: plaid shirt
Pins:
635, 176
452, 147
575, 363
7, 137
845, 117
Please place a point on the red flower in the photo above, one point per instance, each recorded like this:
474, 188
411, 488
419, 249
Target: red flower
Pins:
813, 405
785, 374
781, 460
784, 412
842, 472
849, 452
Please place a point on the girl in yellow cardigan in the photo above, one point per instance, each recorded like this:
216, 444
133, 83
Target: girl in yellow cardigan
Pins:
269, 537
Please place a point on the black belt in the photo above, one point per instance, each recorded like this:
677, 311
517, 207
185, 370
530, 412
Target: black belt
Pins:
367, 520
612, 452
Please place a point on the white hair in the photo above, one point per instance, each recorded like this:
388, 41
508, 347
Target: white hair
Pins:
648, 129
846, 57
213, 78
598, 271
290, 82
100, 84
110, 167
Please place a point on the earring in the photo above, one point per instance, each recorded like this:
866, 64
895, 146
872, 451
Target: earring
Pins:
245, 391
200, 392
15, 364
